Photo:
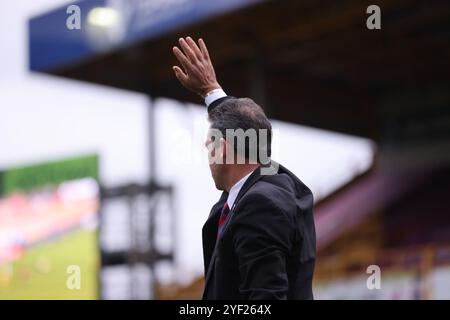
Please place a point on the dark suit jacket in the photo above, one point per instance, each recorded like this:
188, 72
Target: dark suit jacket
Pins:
268, 246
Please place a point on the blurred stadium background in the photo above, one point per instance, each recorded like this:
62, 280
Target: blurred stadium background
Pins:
101, 159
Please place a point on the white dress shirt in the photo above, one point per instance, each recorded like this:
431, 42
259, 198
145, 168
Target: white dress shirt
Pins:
215, 95
234, 191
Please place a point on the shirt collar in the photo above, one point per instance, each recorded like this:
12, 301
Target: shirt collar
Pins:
234, 191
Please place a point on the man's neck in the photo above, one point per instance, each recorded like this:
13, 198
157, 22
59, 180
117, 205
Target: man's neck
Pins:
238, 172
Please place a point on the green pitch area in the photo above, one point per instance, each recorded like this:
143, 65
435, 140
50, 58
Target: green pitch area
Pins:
42, 272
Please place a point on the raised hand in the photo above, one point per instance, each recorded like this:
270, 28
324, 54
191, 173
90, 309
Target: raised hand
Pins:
197, 72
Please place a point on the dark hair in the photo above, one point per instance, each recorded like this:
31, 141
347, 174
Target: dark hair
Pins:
243, 113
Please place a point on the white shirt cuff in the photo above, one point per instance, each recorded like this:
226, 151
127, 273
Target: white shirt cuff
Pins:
217, 94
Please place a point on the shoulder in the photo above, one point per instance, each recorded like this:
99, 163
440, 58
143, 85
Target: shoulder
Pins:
282, 192
276, 191
266, 202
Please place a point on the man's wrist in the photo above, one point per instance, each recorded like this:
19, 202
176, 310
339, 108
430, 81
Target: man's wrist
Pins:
214, 95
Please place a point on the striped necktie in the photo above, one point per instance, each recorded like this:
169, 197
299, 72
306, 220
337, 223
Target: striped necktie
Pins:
223, 218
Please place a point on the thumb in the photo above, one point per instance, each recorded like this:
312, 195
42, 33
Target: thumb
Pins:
180, 74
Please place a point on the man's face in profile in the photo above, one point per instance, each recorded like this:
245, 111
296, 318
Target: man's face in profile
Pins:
216, 155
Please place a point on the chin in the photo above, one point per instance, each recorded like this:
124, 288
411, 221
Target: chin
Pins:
216, 178
218, 186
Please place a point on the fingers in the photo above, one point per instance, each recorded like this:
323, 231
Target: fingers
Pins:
194, 48
203, 49
187, 50
196, 72
181, 76
191, 51
181, 58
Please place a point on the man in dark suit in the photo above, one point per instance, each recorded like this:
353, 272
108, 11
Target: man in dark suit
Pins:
259, 240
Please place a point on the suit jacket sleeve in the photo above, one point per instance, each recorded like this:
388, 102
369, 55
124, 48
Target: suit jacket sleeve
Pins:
262, 241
